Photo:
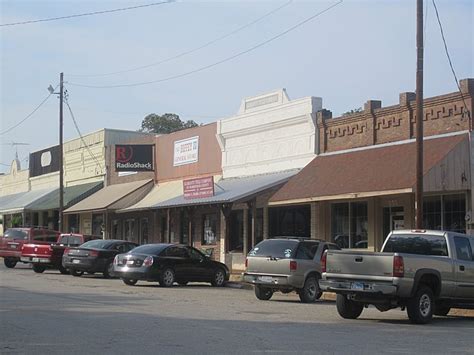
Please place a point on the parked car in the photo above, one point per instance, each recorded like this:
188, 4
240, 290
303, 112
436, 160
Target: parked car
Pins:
14, 238
49, 255
286, 264
426, 272
167, 264
95, 256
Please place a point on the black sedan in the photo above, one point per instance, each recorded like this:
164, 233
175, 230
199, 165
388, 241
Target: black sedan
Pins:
167, 264
95, 256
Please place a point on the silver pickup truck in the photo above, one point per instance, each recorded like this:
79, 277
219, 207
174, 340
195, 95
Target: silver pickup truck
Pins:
426, 272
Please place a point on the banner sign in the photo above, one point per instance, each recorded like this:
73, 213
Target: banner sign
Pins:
198, 188
186, 151
44, 161
134, 157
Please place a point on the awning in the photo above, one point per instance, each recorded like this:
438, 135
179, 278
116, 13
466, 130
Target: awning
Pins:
113, 197
72, 195
379, 170
160, 193
233, 190
17, 203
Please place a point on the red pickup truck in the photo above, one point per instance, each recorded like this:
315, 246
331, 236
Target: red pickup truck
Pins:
14, 238
49, 255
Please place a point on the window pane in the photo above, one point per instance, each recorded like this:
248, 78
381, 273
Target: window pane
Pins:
340, 224
463, 248
236, 242
454, 213
209, 234
275, 248
359, 225
417, 244
432, 212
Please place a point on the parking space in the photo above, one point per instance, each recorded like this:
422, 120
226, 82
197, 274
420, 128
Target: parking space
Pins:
54, 313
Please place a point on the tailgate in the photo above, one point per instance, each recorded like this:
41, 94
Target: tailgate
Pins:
359, 263
263, 265
36, 250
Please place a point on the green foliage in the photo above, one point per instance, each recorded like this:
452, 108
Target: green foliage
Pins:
166, 123
17, 221
356, 110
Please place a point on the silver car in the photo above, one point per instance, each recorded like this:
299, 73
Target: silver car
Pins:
286, 264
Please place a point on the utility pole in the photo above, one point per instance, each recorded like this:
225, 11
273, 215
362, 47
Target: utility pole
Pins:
419, 115
61, 167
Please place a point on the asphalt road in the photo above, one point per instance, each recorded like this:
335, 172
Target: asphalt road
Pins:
59, 314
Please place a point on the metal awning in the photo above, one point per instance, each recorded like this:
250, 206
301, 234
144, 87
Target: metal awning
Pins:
17, 203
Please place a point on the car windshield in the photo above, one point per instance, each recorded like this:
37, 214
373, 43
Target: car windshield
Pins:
275, 248
150, 249
16, 234
71, 240
97, 244
417, 244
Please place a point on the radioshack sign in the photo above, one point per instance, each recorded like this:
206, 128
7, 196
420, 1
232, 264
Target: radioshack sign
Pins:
134, 157
198, 188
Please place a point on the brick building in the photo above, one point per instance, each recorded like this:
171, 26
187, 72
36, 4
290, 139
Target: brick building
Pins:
361, 185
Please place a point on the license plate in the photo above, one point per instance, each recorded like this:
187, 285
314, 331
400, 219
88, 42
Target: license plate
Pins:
357, 286
35, 260
76, 261
13, 246
265, 278
129, 262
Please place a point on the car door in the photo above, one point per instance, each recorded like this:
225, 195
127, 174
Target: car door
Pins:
177, 258
464, 268
199, 266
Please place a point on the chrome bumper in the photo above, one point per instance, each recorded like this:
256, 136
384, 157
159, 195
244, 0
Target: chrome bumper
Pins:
362, 287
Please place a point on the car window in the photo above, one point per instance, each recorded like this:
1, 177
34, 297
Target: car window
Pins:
463, 248
45, 238
195, 254
417, 244
97, 244
129, 246
153, 249
16, 234
178, 252
277, 248
72, 240
333, 247
307, 250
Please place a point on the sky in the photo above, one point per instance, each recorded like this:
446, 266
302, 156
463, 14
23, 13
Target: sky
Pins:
356, 51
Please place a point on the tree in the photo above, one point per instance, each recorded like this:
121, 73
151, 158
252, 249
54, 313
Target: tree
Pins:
356, 110
166, 123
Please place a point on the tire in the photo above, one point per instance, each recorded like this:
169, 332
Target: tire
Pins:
63, 270
130, 282
348, 309
10, 263
263, 293
421, 306
219, 278
167, 278
75, 272
441, 311
39, 269
109, 271
311, 291
182, 282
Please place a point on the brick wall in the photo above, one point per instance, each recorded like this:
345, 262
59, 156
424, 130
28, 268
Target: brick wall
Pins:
378, 125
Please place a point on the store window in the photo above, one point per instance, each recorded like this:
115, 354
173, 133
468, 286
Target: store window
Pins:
290, 221
129, 230
73, 223
209, 232
116, 230
184, 236
445, 212
144, 231
349, 224
236, 232
98, 224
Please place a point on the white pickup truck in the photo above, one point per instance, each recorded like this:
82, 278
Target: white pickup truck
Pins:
426, 272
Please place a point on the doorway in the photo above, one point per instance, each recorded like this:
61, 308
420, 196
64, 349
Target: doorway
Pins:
393, 219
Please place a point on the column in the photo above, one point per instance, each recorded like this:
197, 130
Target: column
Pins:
246, 231
265, 223
314, 220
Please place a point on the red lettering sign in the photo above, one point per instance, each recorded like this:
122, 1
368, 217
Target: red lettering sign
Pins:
199, 187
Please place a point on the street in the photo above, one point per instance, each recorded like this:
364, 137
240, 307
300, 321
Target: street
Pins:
56, 314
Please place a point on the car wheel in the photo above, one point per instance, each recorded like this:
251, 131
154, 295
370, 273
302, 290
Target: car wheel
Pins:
76, 273
39, 269
219, 278
441, 311
63, 270
310, 292
109, 270
9, 262
130, 282
182, 282
263, 293
167, 278
420, 307
348, 309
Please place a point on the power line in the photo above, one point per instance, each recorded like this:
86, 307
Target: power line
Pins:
66, 100
182, 54
449, 60
28, 116
84, 14
213, 64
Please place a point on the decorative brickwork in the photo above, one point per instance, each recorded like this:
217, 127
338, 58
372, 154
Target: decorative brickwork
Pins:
377, 125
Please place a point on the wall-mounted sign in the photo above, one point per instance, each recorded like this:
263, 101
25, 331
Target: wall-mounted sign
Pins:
44, 161
134, 157
186, 151
198, 188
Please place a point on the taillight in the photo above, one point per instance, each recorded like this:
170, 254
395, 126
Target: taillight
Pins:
148, 261
116, 260
293, 265
66, 251
246, 262
324, 258
93, 253
398, 266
